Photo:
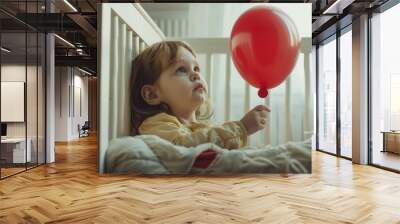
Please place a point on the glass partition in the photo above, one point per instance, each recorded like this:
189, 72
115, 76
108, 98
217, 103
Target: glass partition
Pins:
31, 100
22, 89
385, 89
346, 93
13, 108
327, 96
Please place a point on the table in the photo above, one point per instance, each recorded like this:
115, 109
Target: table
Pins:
13, 150
391, 141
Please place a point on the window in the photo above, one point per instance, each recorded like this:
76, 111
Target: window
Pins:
346, 94
385, 88
327, 96
394, 102
22, 65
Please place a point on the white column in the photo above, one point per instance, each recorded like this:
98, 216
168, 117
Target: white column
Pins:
50, 99
360, 90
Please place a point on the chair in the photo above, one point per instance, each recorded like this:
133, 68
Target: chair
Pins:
84, 130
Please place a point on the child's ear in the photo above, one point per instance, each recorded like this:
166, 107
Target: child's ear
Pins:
150, 95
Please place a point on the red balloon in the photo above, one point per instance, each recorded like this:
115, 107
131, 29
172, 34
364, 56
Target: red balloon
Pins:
264, 44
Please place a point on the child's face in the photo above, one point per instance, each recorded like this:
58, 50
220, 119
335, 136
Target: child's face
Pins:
181, 85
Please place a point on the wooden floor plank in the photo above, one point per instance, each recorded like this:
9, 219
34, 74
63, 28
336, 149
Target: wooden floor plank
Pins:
71, 191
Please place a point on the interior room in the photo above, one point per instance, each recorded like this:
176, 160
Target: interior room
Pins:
342, 96
385, 88
22, 98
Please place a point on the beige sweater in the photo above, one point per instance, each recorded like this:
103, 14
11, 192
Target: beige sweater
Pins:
229, 135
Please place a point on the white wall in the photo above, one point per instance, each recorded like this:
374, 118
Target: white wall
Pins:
15, 72
33, 127
79, 117
70, 83
61, 102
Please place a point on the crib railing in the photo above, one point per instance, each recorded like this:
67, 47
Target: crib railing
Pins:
210, 47
177, 27
125, 30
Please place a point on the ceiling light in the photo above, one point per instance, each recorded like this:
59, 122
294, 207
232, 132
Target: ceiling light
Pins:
329, 9
65, 41
70, 5
80, 51
5, 50
84, 71
337, 7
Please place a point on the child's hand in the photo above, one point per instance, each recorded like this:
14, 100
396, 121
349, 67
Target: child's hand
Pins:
254, 120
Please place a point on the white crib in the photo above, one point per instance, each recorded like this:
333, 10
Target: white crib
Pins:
125, 29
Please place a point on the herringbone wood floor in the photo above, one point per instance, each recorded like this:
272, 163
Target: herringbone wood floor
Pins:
71, 191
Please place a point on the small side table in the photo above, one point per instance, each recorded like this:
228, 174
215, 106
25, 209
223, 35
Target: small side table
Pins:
391, 141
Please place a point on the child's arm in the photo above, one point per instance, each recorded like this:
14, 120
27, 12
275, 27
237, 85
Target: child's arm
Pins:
230, 135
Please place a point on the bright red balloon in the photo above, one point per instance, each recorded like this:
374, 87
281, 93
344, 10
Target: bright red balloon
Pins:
264, 44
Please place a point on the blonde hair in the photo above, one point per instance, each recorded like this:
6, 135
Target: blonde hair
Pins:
146, 70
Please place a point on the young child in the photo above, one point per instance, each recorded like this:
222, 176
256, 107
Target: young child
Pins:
169, 99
